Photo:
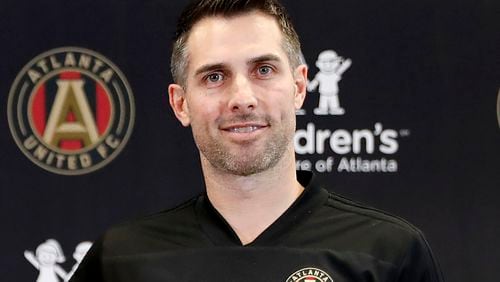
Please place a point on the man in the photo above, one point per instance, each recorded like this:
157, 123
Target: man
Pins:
238, 82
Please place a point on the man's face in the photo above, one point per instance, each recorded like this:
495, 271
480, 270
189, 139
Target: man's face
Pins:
241, 93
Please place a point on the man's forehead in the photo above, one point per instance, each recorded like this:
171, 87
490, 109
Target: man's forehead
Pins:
217, 37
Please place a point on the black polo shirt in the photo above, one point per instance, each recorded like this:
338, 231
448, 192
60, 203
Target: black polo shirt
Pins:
321, 237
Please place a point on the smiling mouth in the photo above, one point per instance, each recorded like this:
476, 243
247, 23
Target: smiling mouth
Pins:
244, 129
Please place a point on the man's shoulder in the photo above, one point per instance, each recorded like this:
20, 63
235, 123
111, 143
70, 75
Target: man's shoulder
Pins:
176, 214
369, 214
167, 229
350, 223
359, 230
355, 229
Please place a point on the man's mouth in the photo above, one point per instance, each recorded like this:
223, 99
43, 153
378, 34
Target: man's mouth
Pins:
244, 129
247, 127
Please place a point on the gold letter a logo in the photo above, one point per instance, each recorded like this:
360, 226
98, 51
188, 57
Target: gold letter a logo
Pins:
70, 98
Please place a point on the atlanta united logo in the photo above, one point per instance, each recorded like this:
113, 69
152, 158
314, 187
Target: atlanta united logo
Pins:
71, 111
309, 274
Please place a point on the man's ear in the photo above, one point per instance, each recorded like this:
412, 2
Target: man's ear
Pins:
177, 99
300, 77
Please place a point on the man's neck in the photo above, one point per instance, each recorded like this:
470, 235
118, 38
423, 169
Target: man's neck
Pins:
250, 204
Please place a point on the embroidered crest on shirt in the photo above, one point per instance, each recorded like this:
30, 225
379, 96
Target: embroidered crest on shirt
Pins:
310, 274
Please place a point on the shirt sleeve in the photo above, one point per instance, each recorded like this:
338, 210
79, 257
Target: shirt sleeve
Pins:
90, 269
419, 264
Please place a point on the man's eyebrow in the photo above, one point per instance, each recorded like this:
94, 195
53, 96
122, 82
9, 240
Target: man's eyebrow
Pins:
209, 67
264, 58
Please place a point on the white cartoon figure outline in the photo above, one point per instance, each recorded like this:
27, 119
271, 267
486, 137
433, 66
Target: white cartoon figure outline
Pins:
46, 259
80, 252
331, 67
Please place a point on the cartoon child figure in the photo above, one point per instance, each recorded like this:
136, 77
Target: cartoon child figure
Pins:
48, 255
331, 67
80, 252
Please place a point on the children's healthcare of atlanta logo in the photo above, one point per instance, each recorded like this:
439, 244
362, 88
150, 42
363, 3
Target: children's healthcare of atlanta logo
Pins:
71, 111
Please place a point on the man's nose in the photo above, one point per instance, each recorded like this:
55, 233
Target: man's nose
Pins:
242, 96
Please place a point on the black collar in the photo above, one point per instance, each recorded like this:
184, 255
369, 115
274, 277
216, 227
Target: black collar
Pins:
221, 234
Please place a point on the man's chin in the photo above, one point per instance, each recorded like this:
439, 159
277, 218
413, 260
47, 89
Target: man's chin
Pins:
245, 170
251, 163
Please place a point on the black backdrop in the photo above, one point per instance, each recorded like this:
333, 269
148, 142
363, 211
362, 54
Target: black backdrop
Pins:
424, 73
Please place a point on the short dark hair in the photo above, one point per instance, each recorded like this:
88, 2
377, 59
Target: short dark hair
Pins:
198, 9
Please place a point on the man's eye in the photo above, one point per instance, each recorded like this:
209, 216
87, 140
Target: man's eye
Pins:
265, 70
215, 77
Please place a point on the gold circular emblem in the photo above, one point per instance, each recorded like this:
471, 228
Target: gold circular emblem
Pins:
71, 110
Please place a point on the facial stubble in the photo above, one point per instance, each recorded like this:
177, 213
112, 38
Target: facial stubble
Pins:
248, 158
